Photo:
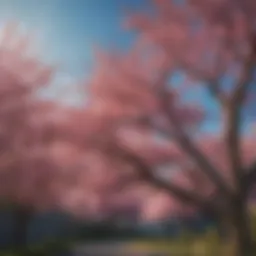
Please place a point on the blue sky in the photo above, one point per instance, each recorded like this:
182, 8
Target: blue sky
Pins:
68, 29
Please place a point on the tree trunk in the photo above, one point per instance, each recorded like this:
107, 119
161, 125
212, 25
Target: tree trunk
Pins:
22, 218
243, 234
237, 232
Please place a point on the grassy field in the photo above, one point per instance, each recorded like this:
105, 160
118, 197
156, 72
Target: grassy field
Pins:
206, 245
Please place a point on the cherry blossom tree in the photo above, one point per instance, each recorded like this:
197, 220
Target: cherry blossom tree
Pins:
21, 76
31, 168
47, 158
142, 140
192, 65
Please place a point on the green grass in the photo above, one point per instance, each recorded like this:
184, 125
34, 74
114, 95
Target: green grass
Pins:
207, 244
187, 244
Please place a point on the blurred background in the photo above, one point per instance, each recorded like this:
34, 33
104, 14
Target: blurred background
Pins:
77, 89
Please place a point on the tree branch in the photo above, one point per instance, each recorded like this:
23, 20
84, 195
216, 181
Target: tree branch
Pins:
249, 178
213, 84
185, 143
215, 91
146, 173
232, 137
234, 120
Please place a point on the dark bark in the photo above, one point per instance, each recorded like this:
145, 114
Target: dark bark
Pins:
243, 236
234, 226
249, 179
22, 218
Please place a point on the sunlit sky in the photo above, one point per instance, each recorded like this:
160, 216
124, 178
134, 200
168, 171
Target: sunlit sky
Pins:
68, 29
